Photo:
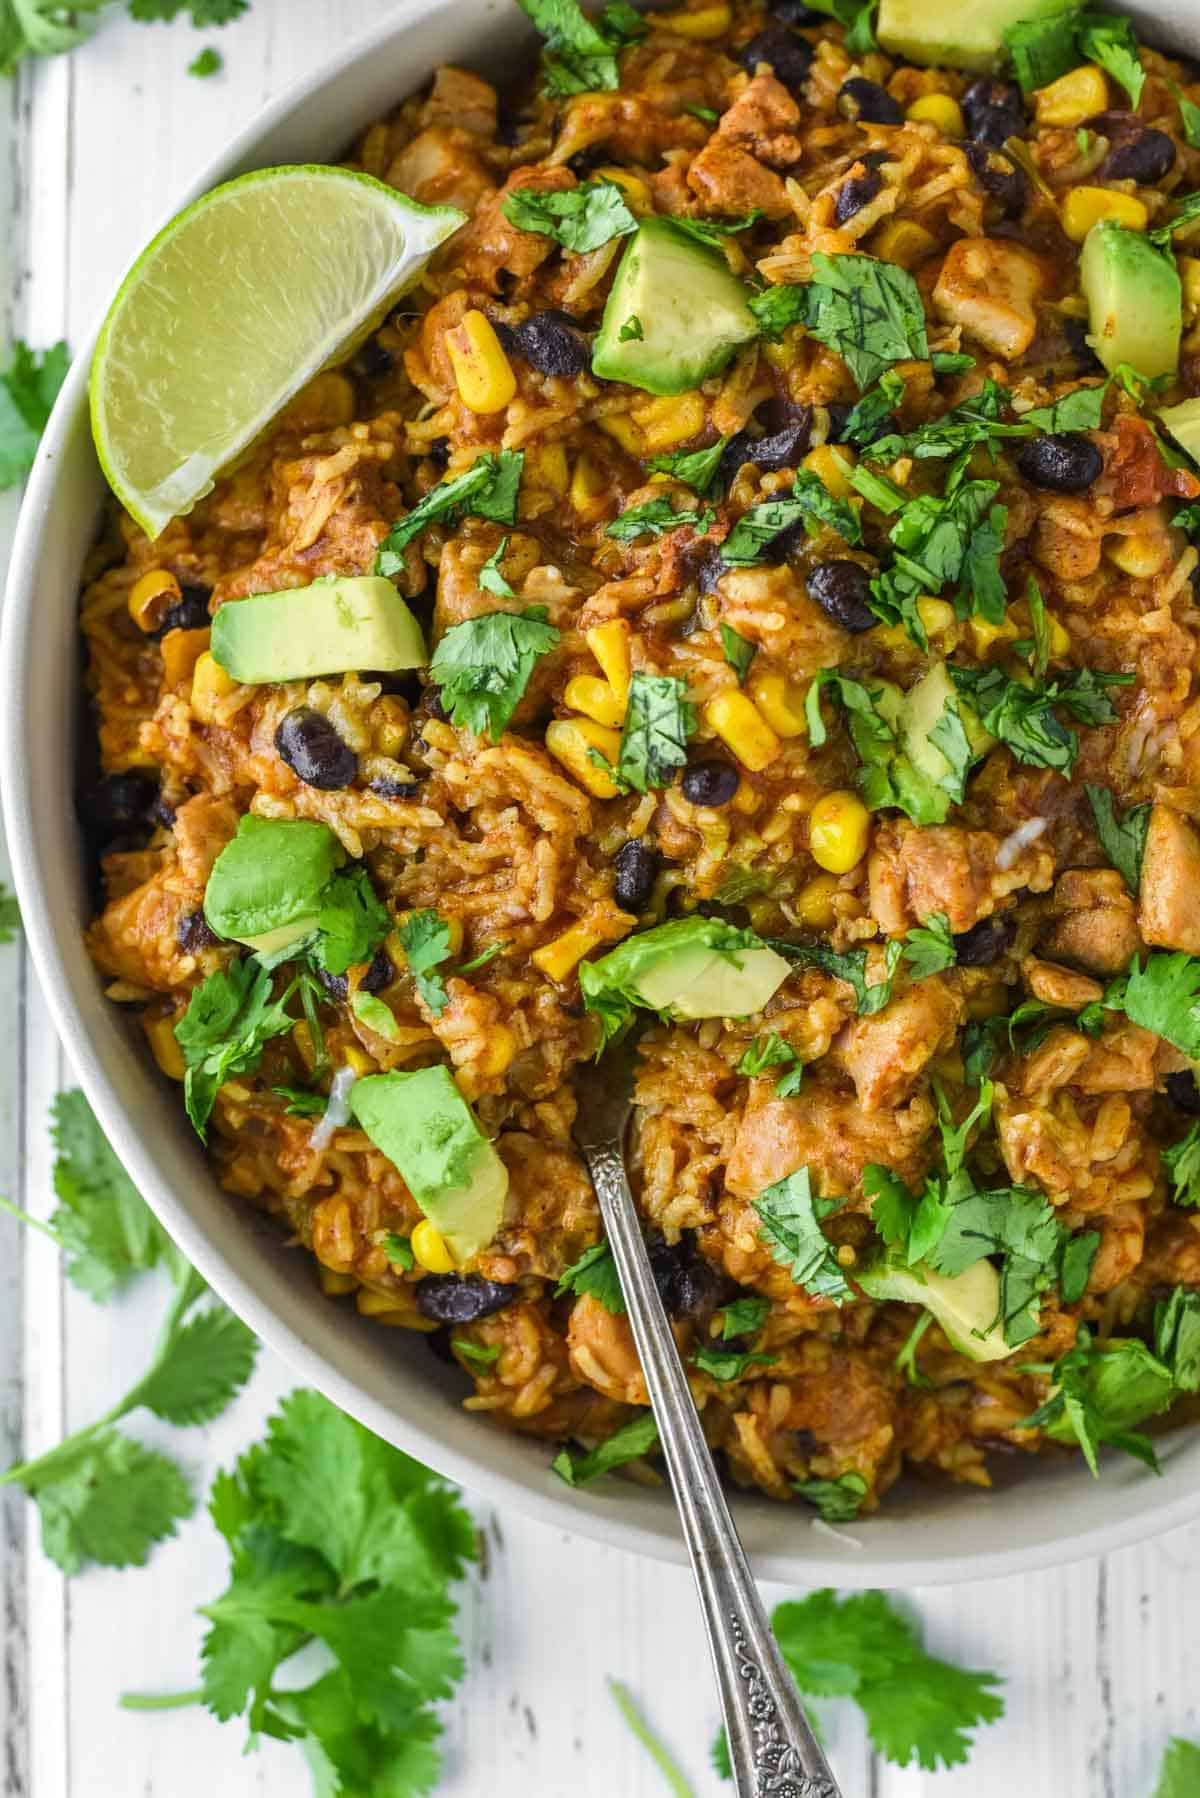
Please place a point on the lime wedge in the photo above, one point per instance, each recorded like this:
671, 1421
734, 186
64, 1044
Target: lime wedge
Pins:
236, 304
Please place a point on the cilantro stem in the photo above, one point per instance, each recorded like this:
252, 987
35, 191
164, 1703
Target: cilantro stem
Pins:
660, 1755
24, 1217
159, 1701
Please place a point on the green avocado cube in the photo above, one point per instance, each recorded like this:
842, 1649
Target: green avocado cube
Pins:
265, 887
948, 34
332, 627
1135, 300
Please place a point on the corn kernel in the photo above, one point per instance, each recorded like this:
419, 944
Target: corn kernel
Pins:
501, 1047
165, 1046
838, 831
439, 735
151, 597
609, 643
742, 727
903, 242
1087, 206
359, 1060
1060, 638
573, 741
181, 650
637, 195
780, 703
831, 464
334, 1284
588, 694
1141, 557
558, 959
1189, 274
482, 372
547, 467
210, 684
814, 903
378, 1304
589, 487
430, 1248
302, 1042
939, 110
620, 425
937, 615
704, 23
1072, 98
984, 634
670, 420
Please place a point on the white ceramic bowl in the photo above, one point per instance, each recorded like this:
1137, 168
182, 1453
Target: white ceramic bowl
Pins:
388, 1379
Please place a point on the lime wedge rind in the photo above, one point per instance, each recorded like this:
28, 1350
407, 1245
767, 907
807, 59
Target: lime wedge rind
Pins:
236, 304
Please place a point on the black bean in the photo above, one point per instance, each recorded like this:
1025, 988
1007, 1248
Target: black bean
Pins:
636, 870
1076, 333
709, 783
192, 932
999, 176
314, 752
462, 1298
385, 786
372, 360
841, 588
855, 192
336, 985
783, 449
431, 699
794, 12
1062, 462
993, 111
790, 57
860, 99
586, 162
162, 812
709, 570
439, 452
1136, 152
687, 1283
1184, 1093
189, 613
554, 343
120, 800
985, 942
381, 973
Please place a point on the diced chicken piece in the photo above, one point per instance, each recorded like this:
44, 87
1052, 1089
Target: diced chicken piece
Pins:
135, 937
1122, 1239
1169, 890
441, 167
203, 826
763, 121
771, 607
1067, 538
991, 289
602, 1354
460, 98
1093, 921
1093, 1158
918, 869
729, 180
886, 1054
1172, 1251
830, 1133
491, 246
1124, 1060
1059, 986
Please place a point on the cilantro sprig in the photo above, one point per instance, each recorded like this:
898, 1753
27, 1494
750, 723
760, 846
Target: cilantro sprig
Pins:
1123, 839
483, 666
581, 53
488, 489
870, 312
229, 1021
655, 517
30, 383
659, 720
790, 1216
1024, 715
579, 218
629, 1443
425, 939
595, 1273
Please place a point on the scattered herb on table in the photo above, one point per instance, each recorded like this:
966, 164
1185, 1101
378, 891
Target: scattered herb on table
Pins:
1179, 1775
209, 62
28, 388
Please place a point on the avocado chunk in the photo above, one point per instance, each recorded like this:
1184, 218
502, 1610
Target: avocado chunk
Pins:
1135, 300
927, 712
425, 1127
1183, 422
966, 1305
265, 887
332, 627
915, 771
691, 312
692, 968
956, 36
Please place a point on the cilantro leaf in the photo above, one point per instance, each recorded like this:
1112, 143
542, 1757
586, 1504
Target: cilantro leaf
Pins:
488, 489
1100, 1392
1075, 1265
1123, 840
595, 1273
929, 946
201, 12
943, 541
300, 1102
398, 1250
209, 62
870, 312
425, 939
629, 1443
110, 1502
809, 503
1023, 716
1111, 43
1177, 1336
724, 1365
739, 652
695, 468
838, 1501
30, 383
1179, 1775
790, 1225
1183, 220
873, 410
491, 575
229, 1020
479, 1356
631, 331
1182, 1162
743, 1317
581, 53
10, 915
107, 1230
1080, 410
659, 719
711, 231
483, 666
850, 967
212, 1357
1164, 996
906, 1360
888, 775
1189, 116
579, 218
766, 1052
352, 920
655, 517
978, 419
1042, 49
910, 1223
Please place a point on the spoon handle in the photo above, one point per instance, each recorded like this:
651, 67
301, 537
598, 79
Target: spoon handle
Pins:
771, 1744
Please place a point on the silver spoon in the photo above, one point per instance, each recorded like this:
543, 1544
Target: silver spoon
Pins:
772, 1748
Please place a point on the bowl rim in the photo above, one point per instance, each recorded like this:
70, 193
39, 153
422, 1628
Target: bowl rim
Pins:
487, 1475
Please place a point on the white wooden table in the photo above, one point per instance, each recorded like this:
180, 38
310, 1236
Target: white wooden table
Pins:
1102, 1660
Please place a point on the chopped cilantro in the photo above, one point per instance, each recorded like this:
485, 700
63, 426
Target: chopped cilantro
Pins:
491, 575
209, 62
482, 959
870, 312
739, 652
877, 490
873, 409
1023, 717
1100, 1392
929, 946
1183, 221
1163, 996
631, 331
1177, 1336
425, 939
352, 921
1189, 116
579, 218
951, 362
595, 1273
888, 775
743, 1317
655, 517
790, 1217
809, 503
838, 1501
1182, 1162
488, 489
659, 719
1122, 839
697, 469
398, 1250
1043, 49
28, 386
581, 53
629, 1443
708, 115
1039, 649
229, 1020
1080, 410
938, 542
724, 1365
1110, 42
906, 1360
850, 967
483, 666
479, 1356
766, 1052
711, 231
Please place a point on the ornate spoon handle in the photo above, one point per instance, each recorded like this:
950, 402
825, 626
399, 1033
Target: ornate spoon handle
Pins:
771, 1745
